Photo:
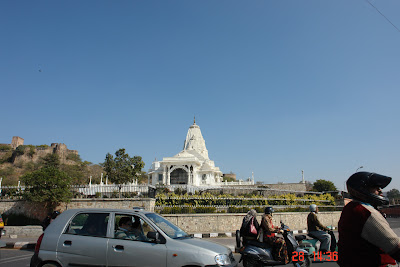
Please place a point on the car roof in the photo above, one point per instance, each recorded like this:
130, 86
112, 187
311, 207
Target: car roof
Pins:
134, 210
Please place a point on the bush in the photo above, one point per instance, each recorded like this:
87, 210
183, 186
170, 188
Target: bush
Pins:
7, 157
205, 209
20, 150
5, 147
10, 192
177, 210
42, 146
129, 194
74, 157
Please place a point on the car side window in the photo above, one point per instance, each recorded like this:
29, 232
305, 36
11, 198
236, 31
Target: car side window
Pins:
89, 224
131, 227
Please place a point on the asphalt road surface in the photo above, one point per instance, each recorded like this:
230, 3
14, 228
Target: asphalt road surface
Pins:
15, 258
21, 258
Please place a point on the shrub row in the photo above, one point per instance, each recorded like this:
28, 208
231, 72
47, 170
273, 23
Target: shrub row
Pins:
228, 200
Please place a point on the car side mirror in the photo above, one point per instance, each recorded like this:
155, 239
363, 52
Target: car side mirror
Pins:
154, 236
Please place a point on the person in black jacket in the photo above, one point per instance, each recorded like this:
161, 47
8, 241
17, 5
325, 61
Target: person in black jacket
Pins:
245, 231
49, 218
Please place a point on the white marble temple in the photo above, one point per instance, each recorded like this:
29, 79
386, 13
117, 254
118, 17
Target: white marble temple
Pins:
191, 166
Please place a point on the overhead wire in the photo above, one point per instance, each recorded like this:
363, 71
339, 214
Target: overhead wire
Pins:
383, 15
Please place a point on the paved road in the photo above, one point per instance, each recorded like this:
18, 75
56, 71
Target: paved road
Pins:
15, 258
229, 242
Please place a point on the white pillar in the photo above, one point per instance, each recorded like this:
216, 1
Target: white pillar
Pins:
164, 179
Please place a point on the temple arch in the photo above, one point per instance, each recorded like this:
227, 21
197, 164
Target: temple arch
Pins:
179, 176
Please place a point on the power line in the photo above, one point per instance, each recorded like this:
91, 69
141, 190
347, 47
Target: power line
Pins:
383, 15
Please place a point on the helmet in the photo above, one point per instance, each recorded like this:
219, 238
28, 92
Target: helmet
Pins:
359, 184
268, 210
313, 208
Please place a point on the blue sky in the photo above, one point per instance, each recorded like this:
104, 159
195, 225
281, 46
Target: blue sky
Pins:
276, 86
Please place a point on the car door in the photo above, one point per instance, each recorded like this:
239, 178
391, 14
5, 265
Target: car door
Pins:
84, 242
135, 252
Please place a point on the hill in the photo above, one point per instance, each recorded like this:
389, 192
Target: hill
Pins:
16, 159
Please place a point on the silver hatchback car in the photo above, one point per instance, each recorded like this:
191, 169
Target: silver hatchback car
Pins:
112, 237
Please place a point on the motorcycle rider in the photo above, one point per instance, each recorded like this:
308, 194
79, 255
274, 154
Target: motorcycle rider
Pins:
49, 219
245, 232
278, 244
365, 237
313, 225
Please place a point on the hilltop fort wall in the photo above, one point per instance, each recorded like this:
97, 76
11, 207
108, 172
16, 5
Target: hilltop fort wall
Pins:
33, 154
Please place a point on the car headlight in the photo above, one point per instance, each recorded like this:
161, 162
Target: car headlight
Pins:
222, 259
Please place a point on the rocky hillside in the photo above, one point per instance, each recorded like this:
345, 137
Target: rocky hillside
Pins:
26, 158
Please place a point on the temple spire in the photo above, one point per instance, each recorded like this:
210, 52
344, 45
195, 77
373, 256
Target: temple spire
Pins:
194, 120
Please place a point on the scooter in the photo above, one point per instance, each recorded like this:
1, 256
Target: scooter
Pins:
312, 245
258, 254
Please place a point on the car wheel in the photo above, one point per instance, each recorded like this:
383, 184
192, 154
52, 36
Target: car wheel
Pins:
49, 265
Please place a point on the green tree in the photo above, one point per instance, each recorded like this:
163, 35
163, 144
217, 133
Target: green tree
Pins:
324, 186
76, 172
51, 160
393, 194
123, 168
49, 186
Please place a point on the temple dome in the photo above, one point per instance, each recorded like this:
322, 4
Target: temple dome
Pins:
195, 141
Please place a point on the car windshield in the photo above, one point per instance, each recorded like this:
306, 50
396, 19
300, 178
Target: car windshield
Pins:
167, 227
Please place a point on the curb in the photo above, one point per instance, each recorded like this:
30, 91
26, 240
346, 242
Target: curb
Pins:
20, 245
213, 235
230, 234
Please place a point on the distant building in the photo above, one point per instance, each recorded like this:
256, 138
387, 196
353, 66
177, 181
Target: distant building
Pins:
191, 166
16, 141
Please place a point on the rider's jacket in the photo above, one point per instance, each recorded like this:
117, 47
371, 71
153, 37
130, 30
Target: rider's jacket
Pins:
365, 237
313, 223
267, 226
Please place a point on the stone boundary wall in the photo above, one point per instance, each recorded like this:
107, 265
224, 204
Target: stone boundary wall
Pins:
230, 222
207, 224
191, 223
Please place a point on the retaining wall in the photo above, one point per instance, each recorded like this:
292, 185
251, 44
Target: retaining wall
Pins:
210, 223
230, 222
191, 223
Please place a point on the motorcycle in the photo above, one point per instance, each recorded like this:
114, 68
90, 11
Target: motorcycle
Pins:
312, 245
258, 254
